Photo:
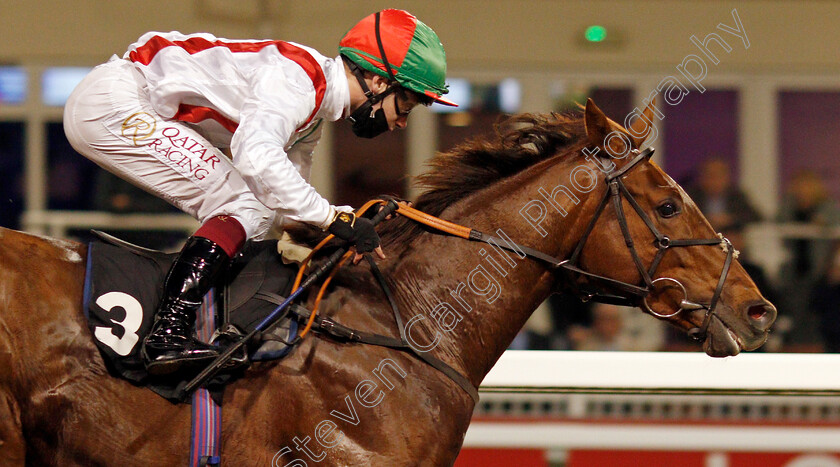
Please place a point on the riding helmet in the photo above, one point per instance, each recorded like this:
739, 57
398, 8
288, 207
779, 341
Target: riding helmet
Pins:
412, 49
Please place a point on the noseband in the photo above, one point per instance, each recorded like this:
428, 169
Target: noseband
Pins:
629, 294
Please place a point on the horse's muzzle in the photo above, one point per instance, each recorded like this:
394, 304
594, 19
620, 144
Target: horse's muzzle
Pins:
732, 330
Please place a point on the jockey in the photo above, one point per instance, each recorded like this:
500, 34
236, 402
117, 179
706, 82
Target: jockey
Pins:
161, 116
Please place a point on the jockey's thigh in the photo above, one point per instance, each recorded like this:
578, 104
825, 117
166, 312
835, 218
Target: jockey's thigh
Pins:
109, 119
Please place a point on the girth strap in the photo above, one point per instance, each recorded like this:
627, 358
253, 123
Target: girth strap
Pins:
440, 365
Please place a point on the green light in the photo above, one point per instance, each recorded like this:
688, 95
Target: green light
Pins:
595, 33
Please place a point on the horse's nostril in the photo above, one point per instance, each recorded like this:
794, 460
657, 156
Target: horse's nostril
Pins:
757, 312
761, 315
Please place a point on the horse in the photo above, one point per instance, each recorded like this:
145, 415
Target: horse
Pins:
538, 183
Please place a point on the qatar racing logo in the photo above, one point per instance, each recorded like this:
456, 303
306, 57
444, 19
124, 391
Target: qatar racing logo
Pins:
138, 127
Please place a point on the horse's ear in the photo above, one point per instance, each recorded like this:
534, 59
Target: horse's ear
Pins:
597, 124
642, 127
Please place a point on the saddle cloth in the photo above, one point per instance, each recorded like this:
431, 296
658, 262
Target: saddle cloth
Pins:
124, 284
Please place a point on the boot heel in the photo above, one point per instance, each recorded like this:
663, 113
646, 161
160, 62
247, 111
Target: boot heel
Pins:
158, 368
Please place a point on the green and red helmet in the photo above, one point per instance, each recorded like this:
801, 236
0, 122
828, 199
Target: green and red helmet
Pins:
412, 49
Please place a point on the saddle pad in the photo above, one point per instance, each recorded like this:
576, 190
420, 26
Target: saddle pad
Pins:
124, 286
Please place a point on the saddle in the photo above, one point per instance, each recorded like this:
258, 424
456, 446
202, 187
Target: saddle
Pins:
123, 285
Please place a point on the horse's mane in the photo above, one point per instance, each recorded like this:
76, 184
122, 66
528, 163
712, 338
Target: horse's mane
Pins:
518, 143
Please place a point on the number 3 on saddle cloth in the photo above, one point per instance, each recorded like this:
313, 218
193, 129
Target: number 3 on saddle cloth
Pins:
124, 283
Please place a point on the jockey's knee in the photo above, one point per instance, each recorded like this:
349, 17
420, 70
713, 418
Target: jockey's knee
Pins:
256, 219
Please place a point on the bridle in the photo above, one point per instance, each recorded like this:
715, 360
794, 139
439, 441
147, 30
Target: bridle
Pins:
629, 294
663, 243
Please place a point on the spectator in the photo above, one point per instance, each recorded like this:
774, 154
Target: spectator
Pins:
113, 194
825, 301
806, 201
618, 328
723, 203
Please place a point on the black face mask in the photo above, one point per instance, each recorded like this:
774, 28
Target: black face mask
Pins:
368, 123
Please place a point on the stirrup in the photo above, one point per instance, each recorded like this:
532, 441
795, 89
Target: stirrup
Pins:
226, 336
193, 356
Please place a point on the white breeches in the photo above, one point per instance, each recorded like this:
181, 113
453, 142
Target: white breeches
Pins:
109, 120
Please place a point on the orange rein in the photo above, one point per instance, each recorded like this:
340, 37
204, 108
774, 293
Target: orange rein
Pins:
432, 221
341, 262
404, 209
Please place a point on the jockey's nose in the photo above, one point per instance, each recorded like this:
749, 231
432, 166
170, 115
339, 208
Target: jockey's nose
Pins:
401, 123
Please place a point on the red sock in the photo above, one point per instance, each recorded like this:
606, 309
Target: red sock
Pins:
226, 231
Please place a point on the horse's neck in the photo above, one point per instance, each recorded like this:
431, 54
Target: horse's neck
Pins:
473, 297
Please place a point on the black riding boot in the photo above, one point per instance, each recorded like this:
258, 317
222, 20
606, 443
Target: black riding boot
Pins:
171, 345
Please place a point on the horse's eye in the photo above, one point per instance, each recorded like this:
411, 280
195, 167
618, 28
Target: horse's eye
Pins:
668, 209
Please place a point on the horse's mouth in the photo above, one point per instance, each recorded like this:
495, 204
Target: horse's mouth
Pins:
720, 340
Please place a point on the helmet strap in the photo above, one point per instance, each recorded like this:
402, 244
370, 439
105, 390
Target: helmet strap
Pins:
360, 77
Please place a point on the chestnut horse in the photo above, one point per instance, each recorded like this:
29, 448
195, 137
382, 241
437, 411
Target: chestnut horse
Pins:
540, 183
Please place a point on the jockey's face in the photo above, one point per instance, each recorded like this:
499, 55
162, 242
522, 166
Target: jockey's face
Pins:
403, 103
397, 105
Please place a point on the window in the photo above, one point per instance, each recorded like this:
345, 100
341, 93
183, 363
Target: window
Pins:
13, 85
459, 93
58, 83
480, 107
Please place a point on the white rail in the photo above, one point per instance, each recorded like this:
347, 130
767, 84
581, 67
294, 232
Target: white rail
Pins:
56, 223
671, 372
653, 437
753, 402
